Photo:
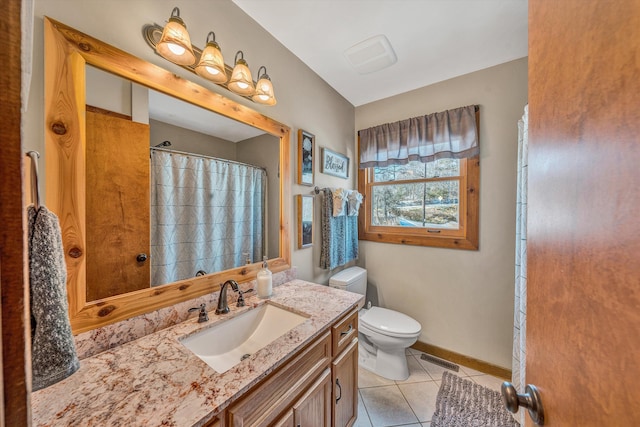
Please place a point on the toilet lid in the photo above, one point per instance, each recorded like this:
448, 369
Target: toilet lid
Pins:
390, 322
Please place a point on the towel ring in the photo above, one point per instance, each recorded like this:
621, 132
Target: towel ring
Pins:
35, 193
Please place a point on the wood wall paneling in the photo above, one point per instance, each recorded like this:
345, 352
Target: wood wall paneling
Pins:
16, 355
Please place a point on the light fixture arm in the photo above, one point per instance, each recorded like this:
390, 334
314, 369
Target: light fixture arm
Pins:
235, 60
213, 37
175, 15
265, 75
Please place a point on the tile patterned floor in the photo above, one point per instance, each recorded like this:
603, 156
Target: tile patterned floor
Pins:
409, 403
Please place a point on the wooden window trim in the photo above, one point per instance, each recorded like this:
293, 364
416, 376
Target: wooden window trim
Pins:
402, 231
466, 237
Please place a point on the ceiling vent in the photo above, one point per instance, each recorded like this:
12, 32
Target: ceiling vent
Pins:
371, 55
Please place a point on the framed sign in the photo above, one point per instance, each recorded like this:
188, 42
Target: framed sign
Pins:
306, 142
335, 163
305, 221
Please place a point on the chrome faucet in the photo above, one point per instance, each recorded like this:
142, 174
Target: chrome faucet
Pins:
223, 306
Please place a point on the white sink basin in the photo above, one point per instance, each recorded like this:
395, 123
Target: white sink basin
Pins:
227, 344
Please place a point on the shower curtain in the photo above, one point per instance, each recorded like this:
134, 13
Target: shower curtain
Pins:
520, 309
207, 215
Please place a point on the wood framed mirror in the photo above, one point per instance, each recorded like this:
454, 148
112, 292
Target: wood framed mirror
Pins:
68, 52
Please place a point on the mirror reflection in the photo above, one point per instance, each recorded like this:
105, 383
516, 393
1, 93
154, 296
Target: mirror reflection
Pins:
174, 191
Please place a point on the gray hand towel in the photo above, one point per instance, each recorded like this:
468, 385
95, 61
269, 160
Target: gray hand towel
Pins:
53, 351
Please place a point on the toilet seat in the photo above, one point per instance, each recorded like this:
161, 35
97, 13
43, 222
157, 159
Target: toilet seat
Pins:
389, 322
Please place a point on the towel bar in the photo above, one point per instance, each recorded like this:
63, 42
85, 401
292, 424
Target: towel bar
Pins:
317, 190
35, 193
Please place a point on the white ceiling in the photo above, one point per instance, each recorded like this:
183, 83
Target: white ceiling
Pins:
434, 40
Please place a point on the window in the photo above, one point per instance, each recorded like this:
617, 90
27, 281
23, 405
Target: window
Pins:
426, 204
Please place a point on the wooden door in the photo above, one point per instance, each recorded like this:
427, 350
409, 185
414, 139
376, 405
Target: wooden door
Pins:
314, 407
117, 205
583, 305
344, 376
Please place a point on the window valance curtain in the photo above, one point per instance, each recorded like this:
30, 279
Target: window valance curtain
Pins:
448, 134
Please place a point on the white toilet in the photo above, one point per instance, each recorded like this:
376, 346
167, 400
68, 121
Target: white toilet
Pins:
383, 334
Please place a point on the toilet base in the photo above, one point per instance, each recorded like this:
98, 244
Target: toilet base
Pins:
388, 364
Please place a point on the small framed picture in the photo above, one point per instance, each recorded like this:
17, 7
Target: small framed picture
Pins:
306, 143
335, 163
305, 221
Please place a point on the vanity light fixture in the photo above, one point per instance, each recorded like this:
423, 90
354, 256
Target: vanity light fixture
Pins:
264, 89
175, 43
211, 64
241, 82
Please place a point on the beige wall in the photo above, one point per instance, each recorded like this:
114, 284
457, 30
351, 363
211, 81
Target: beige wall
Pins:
463, 299
304, 99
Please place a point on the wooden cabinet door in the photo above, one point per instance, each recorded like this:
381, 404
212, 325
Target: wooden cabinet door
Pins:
286, 420
583, 288
118, 185
313, 409
213, 423
344, 378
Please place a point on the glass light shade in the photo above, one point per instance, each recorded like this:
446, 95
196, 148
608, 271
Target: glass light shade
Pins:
241, 81
264, 91
211, 64
175, 43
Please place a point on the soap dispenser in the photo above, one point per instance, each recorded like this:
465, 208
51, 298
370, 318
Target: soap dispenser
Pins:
265, 280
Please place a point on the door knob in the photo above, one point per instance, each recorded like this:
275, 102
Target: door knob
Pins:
530, 400
142, 257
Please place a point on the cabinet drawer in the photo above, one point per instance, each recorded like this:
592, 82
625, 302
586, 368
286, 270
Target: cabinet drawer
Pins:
344, 332
263, 405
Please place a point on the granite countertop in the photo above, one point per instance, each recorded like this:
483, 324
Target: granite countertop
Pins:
156, 381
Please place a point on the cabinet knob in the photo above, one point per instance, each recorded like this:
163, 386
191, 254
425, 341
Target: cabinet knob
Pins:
142, 257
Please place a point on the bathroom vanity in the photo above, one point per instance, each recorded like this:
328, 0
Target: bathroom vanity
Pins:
306, 377
318, 387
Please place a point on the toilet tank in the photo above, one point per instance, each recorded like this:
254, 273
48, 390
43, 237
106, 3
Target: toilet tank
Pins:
352, 279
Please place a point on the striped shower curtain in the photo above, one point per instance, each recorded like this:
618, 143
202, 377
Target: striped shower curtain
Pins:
520, 309
206, 215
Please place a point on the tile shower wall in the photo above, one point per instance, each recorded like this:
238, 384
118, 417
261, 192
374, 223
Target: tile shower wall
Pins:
98, 340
